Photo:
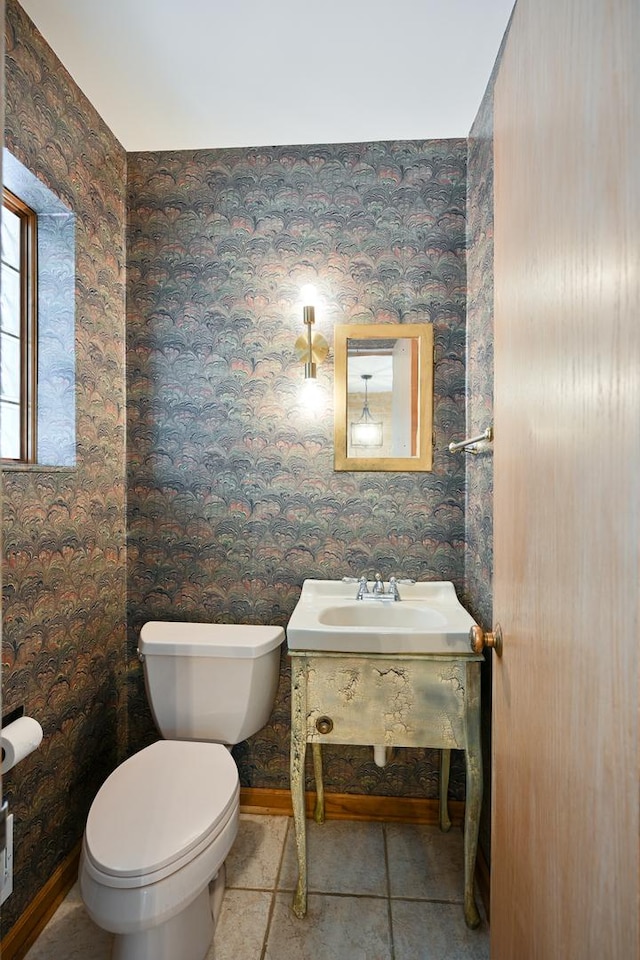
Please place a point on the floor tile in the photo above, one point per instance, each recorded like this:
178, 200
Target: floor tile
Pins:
335, 928
425, 863
254, 859
242, 925
349, 907
342, 857
435, 931
71, 935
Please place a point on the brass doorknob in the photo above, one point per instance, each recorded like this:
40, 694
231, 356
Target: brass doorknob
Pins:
324, 724
478, 639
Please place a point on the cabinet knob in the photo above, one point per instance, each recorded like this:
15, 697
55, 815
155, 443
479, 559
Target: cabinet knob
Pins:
478, 639
324, 724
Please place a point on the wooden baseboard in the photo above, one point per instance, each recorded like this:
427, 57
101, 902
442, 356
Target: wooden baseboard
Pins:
338, 806
29, 926
349, 806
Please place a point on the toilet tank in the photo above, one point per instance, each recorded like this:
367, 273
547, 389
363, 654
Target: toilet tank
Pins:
210, 681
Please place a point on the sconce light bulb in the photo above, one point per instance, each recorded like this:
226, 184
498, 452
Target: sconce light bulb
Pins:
309, 295
312, 399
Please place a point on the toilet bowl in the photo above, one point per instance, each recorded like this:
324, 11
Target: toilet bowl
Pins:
158, 831
161, 826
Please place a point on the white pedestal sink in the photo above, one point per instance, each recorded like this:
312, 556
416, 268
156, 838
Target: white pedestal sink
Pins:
428, 618
387, 673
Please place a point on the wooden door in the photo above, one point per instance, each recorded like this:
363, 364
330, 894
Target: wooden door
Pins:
565, 858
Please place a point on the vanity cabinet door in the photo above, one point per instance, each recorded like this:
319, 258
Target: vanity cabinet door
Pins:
401, 702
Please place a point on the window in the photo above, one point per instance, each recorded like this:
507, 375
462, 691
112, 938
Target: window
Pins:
52, 439
18, 331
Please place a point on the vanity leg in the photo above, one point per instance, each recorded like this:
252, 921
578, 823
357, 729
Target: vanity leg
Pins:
445, 767
318, 813
473, 757
298, 752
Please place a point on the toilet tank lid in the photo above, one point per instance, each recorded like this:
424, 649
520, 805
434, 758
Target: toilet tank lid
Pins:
237, 640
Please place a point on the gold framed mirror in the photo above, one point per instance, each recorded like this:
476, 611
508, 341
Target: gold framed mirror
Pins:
383, 396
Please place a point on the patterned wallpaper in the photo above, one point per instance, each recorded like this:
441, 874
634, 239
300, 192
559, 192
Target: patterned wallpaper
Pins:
233, 499
64, 531
479, 469
478, 591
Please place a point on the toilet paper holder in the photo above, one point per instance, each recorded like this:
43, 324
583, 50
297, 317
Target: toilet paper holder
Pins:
20, 736
14, 714
8, 718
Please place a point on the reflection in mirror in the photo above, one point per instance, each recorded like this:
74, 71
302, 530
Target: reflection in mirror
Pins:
364, 432
383, 397
386, 372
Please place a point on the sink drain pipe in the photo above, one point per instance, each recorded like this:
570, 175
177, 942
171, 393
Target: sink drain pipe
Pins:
381, 754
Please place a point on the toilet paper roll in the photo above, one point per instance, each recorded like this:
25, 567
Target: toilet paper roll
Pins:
18, 740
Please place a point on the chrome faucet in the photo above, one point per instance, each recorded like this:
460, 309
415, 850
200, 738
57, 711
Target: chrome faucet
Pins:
378, 591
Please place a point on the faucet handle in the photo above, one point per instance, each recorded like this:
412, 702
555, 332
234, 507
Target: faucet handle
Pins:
363, 587
393, 588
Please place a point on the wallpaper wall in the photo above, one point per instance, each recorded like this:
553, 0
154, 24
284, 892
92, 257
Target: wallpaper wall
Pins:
479, 469
64, 531
233, 499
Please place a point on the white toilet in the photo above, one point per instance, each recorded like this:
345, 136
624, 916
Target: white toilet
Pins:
161, 825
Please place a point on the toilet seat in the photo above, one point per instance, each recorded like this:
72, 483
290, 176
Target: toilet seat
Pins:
185, 793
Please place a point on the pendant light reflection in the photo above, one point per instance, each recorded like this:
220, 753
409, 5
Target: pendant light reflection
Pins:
366, 432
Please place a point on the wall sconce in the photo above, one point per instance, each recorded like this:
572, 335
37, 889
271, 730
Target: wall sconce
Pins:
366, 432
311, 348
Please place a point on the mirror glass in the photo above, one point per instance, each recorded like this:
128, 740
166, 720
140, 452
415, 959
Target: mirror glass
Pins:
384, 396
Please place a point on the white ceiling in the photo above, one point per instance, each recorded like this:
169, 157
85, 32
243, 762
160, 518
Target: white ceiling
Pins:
190, 74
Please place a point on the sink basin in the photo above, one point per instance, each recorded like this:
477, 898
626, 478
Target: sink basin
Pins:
374, 614
429, 619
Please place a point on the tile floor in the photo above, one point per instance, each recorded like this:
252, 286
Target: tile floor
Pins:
376, 892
